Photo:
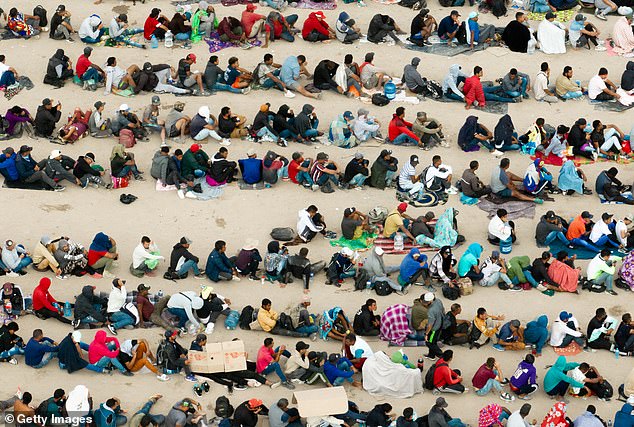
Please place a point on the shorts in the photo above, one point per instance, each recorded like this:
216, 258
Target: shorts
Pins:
372, 82
505, 193
255, 29
293, 86
189, 81
173, 132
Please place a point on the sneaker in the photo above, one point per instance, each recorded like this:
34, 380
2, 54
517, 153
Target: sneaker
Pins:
274, 385
497, 153
75, 323
313, 336
289, 94
12, 274
240, 387
432, 358
505, 381
191, 195
498, 347
70, 40
288, 385
612, 292
59, 188
112, 329
96, 276
253, 383
225, 142
181, 194
246, 90
235, 278
108, 274
526, 397
516, 288
507, 397
314, 187
210, 328
13, 361
200, 276
206, 387
198, 391
162, 377
595, 156
253, 278
191, 378
127, 374
296, 381
600, 15
451, 190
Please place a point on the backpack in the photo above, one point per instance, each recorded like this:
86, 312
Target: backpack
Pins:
285, 322
380, 100
423, 421
42, 409
429, 376
461, 35
377, 214
446, 3
498, 8
283, 234
604, 390
361, 280
223, 407
620, 283
232, 320
126, 138
432, 89
382, 288
40, 12
451, 292
171, 275
474, 333
589, 285
161, 354
246, 317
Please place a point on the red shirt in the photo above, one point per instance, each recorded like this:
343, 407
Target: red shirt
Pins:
148, 307
248, 19
277, 28
94, 256
149, 27
482, 375
82, 65
265, 357
293, 169
443, 375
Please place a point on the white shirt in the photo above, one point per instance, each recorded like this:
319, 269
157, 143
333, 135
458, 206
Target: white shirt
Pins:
560, 330
578, 376
489, 267
361, 345
3, 68
140, 254
599, 229
405, 177
363, 126
113, 78
435, 172
499, 228
540, 86
619, 230
596, 86
516, 420
115, 29
116, 299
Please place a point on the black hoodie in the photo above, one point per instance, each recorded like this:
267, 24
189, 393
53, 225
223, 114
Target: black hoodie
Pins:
280, 121
69, 356
379, 26
45, 120
85, 304
57, 64
627, 79
178, 252
82, 168
304, 120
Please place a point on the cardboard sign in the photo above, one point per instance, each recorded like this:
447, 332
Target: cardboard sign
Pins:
321, 402
218, 357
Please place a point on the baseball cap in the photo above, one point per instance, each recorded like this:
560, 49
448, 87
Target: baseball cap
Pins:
550, 15
564, 315
90, 156
301, 345
495, 254
441, 402
147, 66
580, 17
185, 241
606, 215
192, 57
142, 287
358, 155
124, 107
47, 101
156, 100
402, 207
349, 211
170, 334
60, 8
251, 152
25, 148
455, 13
8, 150
123, 17
629, 217
320, 14
297, 155
251, 7
428, 297
99, 104
385, 153
347, 252
348, 115
413, 158
586, 214
7, 287
54, 154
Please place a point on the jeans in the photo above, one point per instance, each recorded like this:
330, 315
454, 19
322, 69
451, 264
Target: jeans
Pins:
605, 241
490, 94
522, 92
572, 95
224, 87
24, 262
120, 319
456, 422
358, 180
189, 265
105, 361
311, 133
206, 133
275, 367
182, 316
91, 40
304, 178
529, 278
495, 278
91, 74
11, 352
492, 383
307, 329
404, 139
325, 177
569, 338
606, 279
286, 134
7, 78
182, 36
556, 235
389, 177
266, 132
125, 37
145, 410
582, 242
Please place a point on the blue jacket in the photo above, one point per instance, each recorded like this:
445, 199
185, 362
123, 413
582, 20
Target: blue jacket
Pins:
333, 372
410, 266
8, 168
216, 263
536, 332
624, 417
106, 417
35, 350
25, 166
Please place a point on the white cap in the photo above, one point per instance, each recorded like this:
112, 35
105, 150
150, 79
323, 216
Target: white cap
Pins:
347, 252
54, 154
428, 297
76, 336
378, 250
250, 152
204, 111
124, 107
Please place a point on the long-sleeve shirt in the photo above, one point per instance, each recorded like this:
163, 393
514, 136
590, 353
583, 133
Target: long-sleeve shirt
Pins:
473, 91
563, 85
183, 300
35, 350
140, 254
499, 228
40, 253
598, 265
514, 85
444, 375
113, 77
557, 146
267, 319
116, 299
296, 361
11, 258
559, 331
116, 30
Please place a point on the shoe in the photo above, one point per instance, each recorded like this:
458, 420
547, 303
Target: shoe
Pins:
127, 374
451, 190
235, 279
108, 274
181, 194
314, 187
289, 94
246, 90
210, 328
191, 378
75, 323
225, 142
516, 288
139, 177
182, 332
274, 385
595, 156
612, 292
200, 276
198, 391
505, 381
112, 329
162, 377
497, 153
12, 274
206, 386
288, 385
70, 40
432, 358
313, 336
59, 188
240, 387
13, 361
296, 381
507, 397
498, 347
191, 195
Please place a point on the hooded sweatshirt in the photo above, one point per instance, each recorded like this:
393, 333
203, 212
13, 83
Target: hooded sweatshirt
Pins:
56, 65
85, 304
409, 265
116, 299
398, 126
411, 76
469, 259
188, 301
536, 332
98, 248
41, 297
557, 373
304, 120
374, 264
627, 79
341, 27
179, 255
624, 417
99, 347
159, 166
451, 80
280, 120
88, 27
312, 23
525, 374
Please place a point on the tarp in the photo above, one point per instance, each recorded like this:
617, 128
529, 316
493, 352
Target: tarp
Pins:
383, 377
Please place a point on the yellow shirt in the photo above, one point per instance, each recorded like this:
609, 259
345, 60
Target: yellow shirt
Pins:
393, 222
267, 319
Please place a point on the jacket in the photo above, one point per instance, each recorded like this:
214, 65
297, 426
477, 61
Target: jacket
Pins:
363, 321
377, 417
173, 351
543, 229
313, 24
473, 91
68, 355
444, 375
55, 170
41, 297
25, 166
192, 161
514, 85
88, 27
435, 315
333, 372
379, 170
7, 340
218, 262
409, 265
516, 267
178, 253
557, 373
398, 126
99, 347
304, 120
106, 416
296, 361
45, 120
411, 76
280, 120
35, 350
438, 417
159, 166
379, 24
82, 168
8, 167
227, 25
624, 417
450, 83
188, 301
267, 319
627, 79
147, 80
57, 65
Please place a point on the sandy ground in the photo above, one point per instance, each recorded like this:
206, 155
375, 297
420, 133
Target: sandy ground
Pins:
237, 215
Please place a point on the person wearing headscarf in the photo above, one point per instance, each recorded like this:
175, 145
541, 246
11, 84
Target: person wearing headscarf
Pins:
346, 29
122, 163
557, 416
538, 179
505, 137
472, 134
517, 34
627, 79
468, 266
102, 253
334, 324
377, 270
572, 179
441, 266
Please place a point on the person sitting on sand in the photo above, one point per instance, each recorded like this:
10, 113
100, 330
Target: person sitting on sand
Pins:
382, 26
277, 26
316, 29
400, 130
422, 26
489, 377
414, 268
470, 184
342, 267
622, 35
472, 134
565, 330
346, 29
23, 25
610, 188
474, 91
446, 379
372, 76
76, 127
120, 33
556, 382
178, 25
155, 25
536, 334
551, 35
517, 34
252, 23
91, 30
292, 69
502, 183
524, 381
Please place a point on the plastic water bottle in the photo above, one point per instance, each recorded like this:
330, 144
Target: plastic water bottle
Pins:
67, 310
169, 39
616, 353
160, 293
8, 307
398, 242
390, 90
368, 286
310, 279
262, 280
153, 42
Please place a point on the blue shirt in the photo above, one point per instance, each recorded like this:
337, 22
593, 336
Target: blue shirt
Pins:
34, 350
505, 333
230, 75
446, 26
251, 170
290, 70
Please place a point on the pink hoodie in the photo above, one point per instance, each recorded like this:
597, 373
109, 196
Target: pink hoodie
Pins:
99, 347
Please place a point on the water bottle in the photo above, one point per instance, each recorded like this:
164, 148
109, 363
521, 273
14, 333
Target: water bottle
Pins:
160, 293
398, 242
169, 39
390, 90
153, 42
616, 353
56, 305
310, 279
368, 286
262, 280
8, 307
67, 310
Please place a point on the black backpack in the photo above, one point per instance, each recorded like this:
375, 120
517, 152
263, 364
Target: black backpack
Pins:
223, 407
173, 275
432, 89
474, 333
285, 322
451, 292
382, 288
380, 100
283, 234
246, 317
429, 376
604, 390
40, 12
620, 283
361, 280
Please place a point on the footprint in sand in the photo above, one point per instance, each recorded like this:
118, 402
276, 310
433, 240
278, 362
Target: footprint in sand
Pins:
220, 222
59, 208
